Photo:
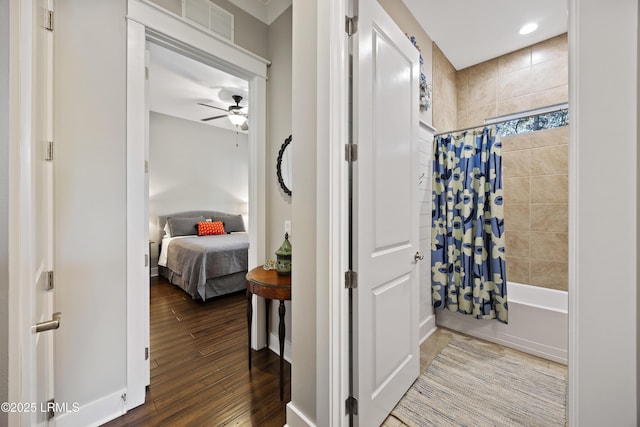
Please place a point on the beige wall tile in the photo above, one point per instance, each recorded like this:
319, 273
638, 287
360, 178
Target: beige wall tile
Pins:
517, 269
549, 189
516, 190
477, 115
445, 97
548, 274
550, 160
514, 105
482, 92
553, 96
555, 47
462, 85
514, 61
516, 142
516, 217
463, 74
516, 163
463, 121
483, 71
550, 74
514, 84
549, 137
549, 217
549, 246
517, 244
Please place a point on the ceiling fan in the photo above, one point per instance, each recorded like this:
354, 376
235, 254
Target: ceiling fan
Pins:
233, 112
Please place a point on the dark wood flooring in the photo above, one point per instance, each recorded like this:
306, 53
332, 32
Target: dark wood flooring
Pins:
199, 372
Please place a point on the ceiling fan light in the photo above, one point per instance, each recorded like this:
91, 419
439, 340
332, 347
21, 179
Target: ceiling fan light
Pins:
237, 119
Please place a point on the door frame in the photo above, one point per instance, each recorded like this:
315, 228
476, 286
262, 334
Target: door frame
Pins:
21, 232
324, 28
146, 21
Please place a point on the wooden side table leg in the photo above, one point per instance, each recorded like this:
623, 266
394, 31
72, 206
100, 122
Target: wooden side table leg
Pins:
249, 317
281, 334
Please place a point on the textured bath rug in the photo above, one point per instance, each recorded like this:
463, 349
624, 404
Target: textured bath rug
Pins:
474, 383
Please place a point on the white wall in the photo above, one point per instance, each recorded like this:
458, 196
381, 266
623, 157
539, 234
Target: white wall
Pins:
278, 124
427, 312
4, 203
278, 129
304, 215
194, 166
90, 200
603, 213
90, 189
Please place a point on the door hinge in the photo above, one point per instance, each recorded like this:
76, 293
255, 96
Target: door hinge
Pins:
48, 20
48, 152
351, 25
146, 353
146, 73
350, 152
351, 406
146, 166
350, 279
49, 281
51, 404
146, 260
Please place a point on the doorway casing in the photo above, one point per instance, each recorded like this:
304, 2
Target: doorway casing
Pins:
146, 21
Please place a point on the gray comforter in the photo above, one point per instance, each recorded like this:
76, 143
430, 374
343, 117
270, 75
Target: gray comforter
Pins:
199, 258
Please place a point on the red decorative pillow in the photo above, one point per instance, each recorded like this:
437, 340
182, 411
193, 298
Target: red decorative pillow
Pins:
210, 228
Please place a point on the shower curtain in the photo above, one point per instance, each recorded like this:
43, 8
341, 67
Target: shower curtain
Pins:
467, 241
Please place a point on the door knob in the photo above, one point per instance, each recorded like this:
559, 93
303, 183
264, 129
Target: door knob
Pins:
418, 256
49, 324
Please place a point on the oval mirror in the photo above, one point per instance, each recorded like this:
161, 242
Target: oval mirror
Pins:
284, 166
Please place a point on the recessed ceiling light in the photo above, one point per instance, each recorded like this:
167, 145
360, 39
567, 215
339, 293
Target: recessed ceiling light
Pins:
528, 28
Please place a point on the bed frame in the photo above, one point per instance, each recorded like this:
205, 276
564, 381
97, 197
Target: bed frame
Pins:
214, 286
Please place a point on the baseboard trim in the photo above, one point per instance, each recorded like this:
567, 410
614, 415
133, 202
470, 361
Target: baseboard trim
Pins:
295, 418
94, 413
427, 327
153, 272
274, 345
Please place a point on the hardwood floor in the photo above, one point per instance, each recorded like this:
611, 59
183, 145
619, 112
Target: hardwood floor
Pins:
199, 372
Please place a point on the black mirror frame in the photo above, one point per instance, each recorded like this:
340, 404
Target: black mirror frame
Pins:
284, 146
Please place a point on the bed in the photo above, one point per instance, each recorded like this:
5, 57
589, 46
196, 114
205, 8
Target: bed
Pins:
204, 266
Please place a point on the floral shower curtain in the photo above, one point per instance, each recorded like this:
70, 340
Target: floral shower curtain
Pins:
468, 256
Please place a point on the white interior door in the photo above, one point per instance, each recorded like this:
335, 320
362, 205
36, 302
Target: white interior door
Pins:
386, 180
42, 181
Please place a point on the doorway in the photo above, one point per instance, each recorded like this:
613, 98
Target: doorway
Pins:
149, 24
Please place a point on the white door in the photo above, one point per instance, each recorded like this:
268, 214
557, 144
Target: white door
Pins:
386, 200
42, 182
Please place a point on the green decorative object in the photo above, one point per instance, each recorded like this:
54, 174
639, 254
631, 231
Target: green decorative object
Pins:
283, 255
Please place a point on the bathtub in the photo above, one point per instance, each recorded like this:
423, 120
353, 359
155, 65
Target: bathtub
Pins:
538, 322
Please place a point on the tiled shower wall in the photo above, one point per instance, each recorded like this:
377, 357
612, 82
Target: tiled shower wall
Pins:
535, 164
529, 78
535, 167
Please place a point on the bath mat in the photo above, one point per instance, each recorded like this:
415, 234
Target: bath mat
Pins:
474, 383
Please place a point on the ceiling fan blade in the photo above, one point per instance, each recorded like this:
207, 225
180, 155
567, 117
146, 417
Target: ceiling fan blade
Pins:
213, 118
212, 106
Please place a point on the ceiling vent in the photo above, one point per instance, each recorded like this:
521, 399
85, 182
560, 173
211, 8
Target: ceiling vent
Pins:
209, 16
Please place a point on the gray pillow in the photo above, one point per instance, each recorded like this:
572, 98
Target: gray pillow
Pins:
184, 226
231, 222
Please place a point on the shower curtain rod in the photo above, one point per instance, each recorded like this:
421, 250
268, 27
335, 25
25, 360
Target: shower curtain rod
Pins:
512, 117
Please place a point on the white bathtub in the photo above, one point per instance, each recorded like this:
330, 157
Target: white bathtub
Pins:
538, 322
